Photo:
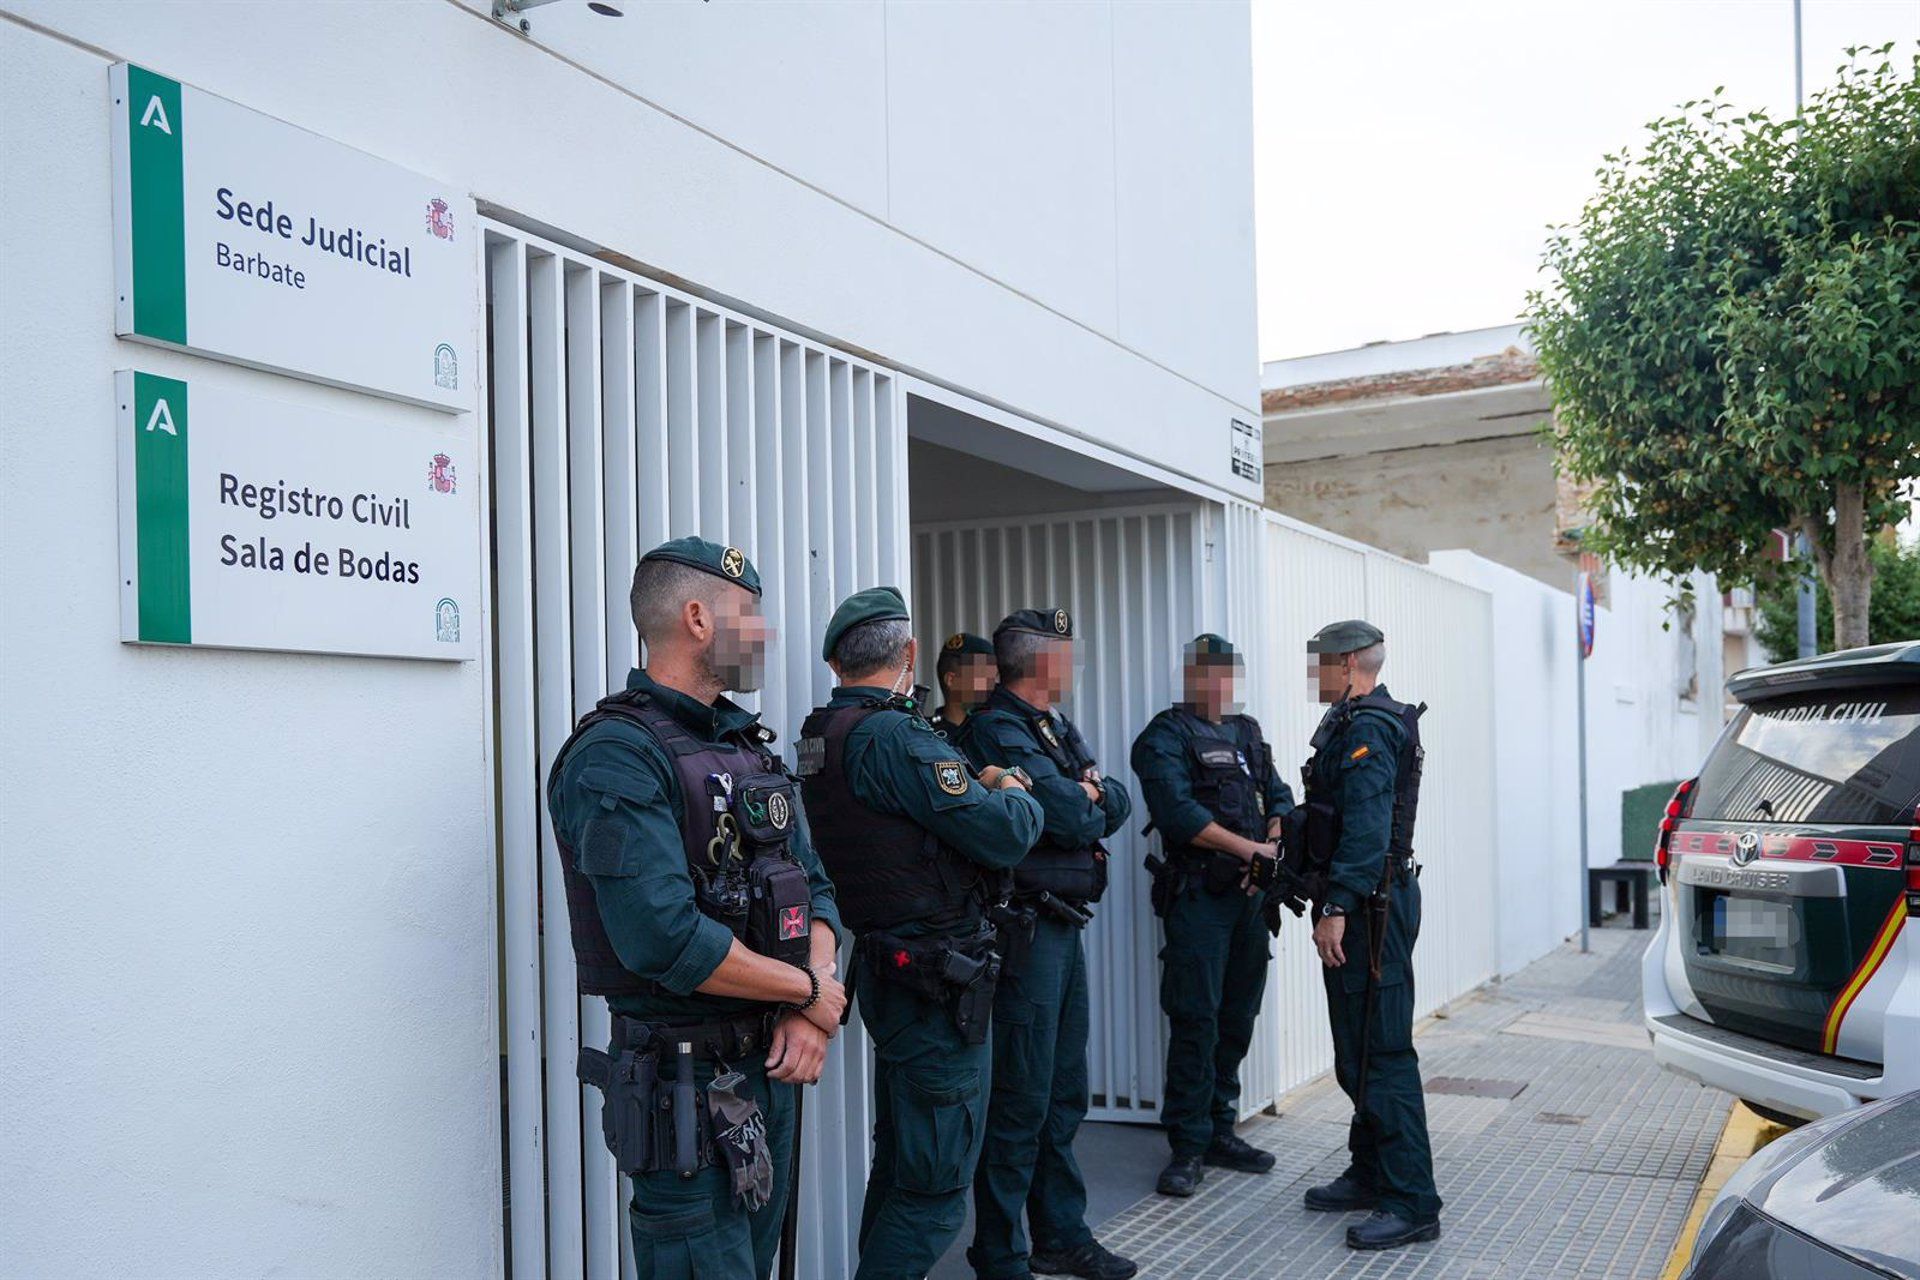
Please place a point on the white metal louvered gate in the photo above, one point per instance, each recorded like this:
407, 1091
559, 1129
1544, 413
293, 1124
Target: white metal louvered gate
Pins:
1139, 583
623, 413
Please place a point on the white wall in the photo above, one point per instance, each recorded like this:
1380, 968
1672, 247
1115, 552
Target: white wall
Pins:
247, 1011
1639, 731
286, 1058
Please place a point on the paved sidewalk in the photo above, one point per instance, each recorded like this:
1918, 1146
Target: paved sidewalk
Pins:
1588, 1171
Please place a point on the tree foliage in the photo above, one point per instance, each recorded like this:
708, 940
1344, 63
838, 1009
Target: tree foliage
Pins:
1732, 333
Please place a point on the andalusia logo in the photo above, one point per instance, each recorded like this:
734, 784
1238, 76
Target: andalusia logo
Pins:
446, 368
440, 474
446, 622
439, 219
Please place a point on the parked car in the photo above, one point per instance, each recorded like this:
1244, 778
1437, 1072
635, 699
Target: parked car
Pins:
1783, 970
1836, 1200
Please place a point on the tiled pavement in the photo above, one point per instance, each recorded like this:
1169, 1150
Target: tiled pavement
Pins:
1588, 1172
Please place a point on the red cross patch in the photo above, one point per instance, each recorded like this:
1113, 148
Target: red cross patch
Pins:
793, 923
901, 959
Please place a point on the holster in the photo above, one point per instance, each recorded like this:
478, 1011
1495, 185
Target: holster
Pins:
960, 974
636, 1115
626, 1083
1164, 884
1014, 925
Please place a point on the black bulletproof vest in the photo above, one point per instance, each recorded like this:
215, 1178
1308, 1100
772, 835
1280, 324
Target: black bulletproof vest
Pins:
1410, 763
886, 869
1228, 778
732, 869
1077, 874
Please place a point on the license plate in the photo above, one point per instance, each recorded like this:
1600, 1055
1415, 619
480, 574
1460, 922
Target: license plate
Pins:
1762, 932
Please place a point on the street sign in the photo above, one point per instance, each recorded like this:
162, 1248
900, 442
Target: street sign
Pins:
241, 237
254, 524
1584, 605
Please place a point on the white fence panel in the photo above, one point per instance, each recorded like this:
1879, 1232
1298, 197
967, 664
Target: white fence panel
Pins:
623, 413
1438, 651
1136, 581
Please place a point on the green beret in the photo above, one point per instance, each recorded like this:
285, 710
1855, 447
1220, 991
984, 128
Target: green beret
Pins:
1053, 623
1209, 645
1345, 637
729, 563
875, 604
965, 642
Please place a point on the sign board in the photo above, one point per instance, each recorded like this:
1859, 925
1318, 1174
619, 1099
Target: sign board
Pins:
248, 523
241, 237
1244, 442
1583, 603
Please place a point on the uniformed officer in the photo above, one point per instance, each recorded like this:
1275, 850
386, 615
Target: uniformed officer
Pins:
966, 676
1207, 776
698, 908
1039, 1094
919, 850
1363, 787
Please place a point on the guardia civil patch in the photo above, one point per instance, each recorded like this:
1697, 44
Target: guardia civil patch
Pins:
779, 813
732, 563
952, 777
954, 642
1061, 623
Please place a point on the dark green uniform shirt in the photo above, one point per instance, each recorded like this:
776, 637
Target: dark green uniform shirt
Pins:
892, 760
995, 736
1357, 770
617, 769
1165, 768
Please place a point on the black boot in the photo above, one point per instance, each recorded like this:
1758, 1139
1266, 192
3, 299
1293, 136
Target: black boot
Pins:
1383, 1230
1231, 1151
1342, 1195
1182, 1176
1091, 1260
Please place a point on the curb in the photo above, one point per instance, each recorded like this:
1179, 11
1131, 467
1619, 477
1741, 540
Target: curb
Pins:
1742, 1135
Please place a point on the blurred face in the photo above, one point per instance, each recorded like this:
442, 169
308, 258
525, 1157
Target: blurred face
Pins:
970, 681
1056, 668
1331, 674
1213, 686
736, 656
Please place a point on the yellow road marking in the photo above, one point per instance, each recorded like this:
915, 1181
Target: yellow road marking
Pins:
1744, 1134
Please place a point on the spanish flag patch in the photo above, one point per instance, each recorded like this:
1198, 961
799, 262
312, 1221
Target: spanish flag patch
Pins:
1359, 751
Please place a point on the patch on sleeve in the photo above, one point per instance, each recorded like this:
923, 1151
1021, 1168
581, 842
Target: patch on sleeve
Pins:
952, 777
1360, 751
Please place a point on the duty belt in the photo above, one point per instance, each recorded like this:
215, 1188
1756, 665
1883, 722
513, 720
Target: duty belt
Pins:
725, 1040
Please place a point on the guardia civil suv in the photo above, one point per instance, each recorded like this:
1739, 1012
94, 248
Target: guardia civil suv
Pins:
1784, 970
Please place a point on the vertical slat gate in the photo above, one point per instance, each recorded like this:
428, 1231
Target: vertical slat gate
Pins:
1126, 576
622, 413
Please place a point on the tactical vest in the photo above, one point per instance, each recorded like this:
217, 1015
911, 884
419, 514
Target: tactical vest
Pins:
738, 816
1076, 874
1228, 780
887, 869
1324, 820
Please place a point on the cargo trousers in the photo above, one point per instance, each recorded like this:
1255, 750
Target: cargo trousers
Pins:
1213, 974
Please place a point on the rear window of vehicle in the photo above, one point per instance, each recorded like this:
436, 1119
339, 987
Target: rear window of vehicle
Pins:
1843, 757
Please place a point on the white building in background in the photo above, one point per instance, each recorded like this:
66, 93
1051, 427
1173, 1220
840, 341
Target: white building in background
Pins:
1431, 449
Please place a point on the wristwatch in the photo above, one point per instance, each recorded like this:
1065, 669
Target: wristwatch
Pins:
1330, 909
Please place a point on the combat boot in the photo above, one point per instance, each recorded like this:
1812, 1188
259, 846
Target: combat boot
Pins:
1182, 1176
1342, 1195
1231, 1151
1091, 1260
1383, 1230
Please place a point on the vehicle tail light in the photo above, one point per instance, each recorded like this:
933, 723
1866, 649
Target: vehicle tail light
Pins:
1913, 865
1677, 808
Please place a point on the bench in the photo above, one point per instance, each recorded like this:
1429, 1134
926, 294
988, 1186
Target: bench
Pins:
1627, 878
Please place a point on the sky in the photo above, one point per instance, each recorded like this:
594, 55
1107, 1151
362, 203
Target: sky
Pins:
1411, 154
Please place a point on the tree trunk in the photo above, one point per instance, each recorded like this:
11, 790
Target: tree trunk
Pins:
1849, 569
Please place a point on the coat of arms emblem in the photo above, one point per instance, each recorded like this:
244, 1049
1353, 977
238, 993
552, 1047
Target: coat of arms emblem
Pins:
440, 474
951, 776
440, 219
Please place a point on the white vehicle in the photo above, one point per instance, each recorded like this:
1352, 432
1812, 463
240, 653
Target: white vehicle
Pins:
1784, 970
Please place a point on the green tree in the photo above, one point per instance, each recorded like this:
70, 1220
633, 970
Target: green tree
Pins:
1732, 335
1895, 614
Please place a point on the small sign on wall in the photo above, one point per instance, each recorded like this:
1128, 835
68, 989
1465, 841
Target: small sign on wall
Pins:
250, 523
242, 237
1244, 440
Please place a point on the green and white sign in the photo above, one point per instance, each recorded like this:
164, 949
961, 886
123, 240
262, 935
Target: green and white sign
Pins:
242, 237
248, 523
